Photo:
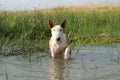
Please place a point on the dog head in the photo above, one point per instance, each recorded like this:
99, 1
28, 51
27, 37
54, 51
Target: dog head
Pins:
57, 30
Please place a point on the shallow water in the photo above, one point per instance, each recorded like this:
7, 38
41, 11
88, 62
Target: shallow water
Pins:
87, 63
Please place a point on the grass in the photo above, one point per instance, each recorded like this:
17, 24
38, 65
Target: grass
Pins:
22, 32
6, 75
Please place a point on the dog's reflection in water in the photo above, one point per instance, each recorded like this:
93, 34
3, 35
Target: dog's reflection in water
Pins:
58, 69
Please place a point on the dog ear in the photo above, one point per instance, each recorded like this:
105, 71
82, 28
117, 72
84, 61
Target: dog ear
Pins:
63, 24
50, 24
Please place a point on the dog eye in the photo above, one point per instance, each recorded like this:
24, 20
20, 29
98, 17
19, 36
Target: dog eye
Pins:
60, 29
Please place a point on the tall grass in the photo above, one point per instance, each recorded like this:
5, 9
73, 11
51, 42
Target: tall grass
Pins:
22, 31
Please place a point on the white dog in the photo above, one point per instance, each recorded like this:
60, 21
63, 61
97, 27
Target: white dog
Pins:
59, 43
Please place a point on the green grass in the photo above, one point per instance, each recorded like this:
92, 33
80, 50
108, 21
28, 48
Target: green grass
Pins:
28, 31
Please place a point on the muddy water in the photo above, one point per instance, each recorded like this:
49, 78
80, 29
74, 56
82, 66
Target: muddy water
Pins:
87, 63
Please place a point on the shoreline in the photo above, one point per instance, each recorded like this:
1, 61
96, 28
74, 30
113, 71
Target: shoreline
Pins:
23, 31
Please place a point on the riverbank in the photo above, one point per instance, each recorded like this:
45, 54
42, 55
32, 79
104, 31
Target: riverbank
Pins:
22, 32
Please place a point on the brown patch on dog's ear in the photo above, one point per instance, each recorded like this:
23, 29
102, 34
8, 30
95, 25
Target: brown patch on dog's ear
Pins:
63, 24
51, 24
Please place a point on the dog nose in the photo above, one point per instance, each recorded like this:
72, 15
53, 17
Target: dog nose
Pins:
58, 39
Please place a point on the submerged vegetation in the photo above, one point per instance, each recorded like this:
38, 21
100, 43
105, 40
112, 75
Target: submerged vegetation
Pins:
27, 31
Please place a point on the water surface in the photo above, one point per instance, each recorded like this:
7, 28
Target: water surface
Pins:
87, 63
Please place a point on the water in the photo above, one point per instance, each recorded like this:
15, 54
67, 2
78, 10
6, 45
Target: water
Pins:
42, 4
87, 63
